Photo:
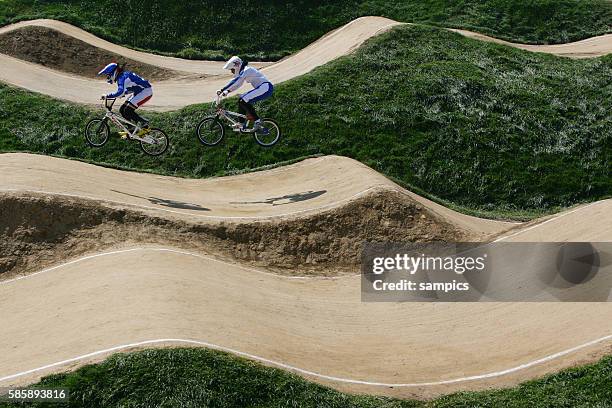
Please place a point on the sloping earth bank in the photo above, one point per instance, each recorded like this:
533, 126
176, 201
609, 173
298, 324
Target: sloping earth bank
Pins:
38, 231
56, 50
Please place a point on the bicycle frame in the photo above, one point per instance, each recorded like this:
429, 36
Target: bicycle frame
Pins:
218, 119
231, 117
120, 122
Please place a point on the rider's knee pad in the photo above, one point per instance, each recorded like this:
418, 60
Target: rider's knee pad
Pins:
128, 112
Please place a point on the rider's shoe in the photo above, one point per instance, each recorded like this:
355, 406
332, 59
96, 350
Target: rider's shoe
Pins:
143, 131
245, 128
123, 135
257, 126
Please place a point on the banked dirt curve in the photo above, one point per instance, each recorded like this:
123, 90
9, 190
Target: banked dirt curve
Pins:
152, 296
308, 186
174, 94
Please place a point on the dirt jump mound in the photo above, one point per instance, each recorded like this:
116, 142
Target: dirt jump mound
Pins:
38, 231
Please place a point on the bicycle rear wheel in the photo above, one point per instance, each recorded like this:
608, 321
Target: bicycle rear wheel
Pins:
156, 142
97, 132
210, 131
269, 133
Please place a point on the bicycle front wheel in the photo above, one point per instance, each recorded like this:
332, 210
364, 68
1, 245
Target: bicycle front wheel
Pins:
97, 132
269, 133
156, 142
210, 131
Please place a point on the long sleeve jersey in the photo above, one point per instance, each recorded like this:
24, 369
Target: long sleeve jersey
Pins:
129, 83
248, 74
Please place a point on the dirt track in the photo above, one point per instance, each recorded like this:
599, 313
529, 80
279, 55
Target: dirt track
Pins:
588, 48
174, 94
316, 325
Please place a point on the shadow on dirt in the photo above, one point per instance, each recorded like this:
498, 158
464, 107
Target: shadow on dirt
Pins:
168, 203
287, 199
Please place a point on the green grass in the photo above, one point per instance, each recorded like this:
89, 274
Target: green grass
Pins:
195, 377
479, 125
268, 29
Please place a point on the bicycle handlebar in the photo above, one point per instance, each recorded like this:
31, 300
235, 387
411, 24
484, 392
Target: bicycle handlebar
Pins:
217, 102
113, 100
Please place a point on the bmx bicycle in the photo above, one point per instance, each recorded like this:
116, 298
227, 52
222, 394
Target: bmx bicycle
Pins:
97, 132
211, 129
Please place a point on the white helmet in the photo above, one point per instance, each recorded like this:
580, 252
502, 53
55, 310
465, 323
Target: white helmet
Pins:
234, 63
